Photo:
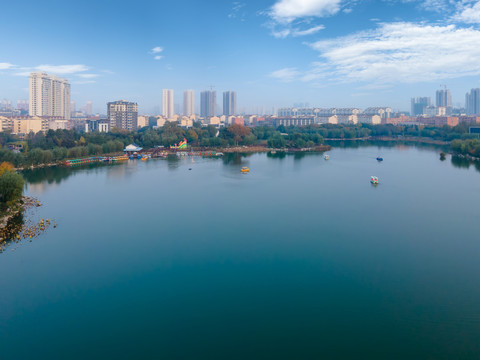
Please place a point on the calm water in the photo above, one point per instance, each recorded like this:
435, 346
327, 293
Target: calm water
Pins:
300, 259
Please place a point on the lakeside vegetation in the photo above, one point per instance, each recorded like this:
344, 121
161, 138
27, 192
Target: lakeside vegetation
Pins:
55, 146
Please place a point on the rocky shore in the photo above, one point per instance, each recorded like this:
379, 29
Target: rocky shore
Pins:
20, 206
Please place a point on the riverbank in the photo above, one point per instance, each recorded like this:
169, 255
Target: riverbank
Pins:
422, 140
24, 203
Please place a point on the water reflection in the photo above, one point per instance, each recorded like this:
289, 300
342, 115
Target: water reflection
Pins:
56, 174
463, 163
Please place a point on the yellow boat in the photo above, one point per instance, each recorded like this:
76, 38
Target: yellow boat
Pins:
245, 169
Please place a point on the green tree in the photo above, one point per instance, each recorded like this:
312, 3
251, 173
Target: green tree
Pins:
11, 186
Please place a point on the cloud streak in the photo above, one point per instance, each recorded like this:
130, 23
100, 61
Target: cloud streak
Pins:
6, 66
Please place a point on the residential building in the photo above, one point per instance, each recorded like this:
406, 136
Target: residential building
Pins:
188, 103
142, 121
168, 109
418, 105
49, 96
208, 103
229, 103
122, 114
472, 102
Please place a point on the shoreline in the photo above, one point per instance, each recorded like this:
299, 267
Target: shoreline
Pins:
20, 206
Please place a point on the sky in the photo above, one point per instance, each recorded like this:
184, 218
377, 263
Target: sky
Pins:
327, 53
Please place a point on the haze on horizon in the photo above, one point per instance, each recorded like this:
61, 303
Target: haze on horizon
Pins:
328, 53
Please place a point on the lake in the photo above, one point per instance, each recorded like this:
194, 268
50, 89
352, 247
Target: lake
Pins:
302, 258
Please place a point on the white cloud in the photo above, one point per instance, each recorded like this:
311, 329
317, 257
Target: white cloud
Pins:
62, 69
158, 57
6, 66
399, 52
156, 50
310, 31
286, 74
88, 76
237, 6
469, 14
295, 32
286, 11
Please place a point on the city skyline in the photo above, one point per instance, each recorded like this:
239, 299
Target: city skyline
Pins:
272, 52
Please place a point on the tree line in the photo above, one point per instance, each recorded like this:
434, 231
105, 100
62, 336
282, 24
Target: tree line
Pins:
59, 145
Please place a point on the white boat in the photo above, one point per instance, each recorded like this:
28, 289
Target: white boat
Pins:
327, 157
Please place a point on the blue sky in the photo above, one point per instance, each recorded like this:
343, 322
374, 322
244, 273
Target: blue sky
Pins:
329, 53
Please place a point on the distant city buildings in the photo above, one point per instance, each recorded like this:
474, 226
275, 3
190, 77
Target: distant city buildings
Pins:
188, 103
122, 114
168, 109
444, 99
229, 103
418, 105
49, 96
208, 103
472, 102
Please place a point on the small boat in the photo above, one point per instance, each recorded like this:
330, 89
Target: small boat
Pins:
327, 157
245, 169
144, 158
374, 180
379, 158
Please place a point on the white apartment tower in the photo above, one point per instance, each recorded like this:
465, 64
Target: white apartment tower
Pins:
167, 103
188, 102
49, 96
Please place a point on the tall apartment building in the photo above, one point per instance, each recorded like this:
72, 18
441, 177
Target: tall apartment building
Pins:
472, 102
88, 108
122, 114
229, 103
168, 109
49, 96
419, 104
208, 103
188, 102
444, 98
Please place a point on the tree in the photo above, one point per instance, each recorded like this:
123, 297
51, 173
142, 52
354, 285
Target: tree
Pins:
11, 186
239, 132
277, 142
5, 166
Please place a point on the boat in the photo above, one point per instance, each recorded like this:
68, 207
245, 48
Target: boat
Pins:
327, 157
374, 180
379, 158
245, 169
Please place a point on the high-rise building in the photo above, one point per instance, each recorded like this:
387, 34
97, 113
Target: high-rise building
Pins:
229, 103
419, 104
167, 103
472, 102
188, 102
49, 96
22, 105
72, 106
208, 103
122, 114
88, 108
444, 98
